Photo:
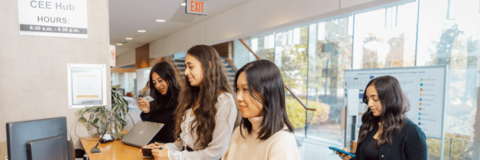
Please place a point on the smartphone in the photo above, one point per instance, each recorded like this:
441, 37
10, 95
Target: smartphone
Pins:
147, 152
342, 151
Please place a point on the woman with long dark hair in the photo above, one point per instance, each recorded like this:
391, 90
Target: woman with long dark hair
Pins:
206, 113
265, 131
165, 85
386, 132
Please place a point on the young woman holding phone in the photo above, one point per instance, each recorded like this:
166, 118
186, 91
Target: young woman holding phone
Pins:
386, 132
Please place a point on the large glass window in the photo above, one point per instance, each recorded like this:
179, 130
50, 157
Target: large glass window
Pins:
330, 53
291, 57
313, 58
448, 34
263, 46
385, 37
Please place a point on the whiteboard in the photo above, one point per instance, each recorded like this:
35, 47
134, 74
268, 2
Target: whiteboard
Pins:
425, 88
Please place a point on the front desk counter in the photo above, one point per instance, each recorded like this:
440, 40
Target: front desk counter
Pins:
115, 150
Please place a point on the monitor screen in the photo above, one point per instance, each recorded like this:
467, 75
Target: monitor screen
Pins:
27, 139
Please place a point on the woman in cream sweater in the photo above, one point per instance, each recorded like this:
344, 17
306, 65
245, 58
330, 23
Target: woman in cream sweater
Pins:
265, 131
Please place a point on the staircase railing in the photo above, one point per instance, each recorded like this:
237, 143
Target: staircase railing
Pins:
286, 87
308, 111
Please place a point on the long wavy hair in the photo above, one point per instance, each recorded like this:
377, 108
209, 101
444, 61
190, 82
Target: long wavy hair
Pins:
214, 82
394, 106
168, 74
266, 84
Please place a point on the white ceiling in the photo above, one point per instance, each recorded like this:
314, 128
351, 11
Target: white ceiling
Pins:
128, 16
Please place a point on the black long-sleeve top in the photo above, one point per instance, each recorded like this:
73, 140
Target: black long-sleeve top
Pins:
408, 144
162, 115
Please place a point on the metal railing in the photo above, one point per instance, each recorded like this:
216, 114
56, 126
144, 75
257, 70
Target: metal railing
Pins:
286, 87
308, 111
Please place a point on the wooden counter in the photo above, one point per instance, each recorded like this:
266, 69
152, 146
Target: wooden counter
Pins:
115, 150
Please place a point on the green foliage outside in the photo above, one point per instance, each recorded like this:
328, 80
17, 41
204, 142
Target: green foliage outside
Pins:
461, 147
296, 112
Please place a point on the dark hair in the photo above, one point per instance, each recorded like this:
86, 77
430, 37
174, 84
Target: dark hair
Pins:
214, 82
167, 73
265, 81
394, 106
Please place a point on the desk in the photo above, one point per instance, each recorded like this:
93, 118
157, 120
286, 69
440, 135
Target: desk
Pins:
115, 150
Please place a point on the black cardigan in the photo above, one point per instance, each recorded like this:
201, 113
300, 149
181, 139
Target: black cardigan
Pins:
408, 144
165, 116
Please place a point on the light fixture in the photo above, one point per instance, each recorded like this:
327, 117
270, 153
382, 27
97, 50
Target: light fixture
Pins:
128, 38
160, 20
119, 44
183, 4
142, 31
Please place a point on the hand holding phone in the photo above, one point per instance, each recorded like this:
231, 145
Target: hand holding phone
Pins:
143, 105
342, 151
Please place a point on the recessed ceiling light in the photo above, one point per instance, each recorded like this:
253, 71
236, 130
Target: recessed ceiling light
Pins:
128, 38
183, 4
160, 20
142, 31
119, 44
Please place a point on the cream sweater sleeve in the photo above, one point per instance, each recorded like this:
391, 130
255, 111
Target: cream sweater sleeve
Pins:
283, 148
224, 123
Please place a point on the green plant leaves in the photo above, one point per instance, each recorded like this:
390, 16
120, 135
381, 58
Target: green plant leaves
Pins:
82, 120
100, 115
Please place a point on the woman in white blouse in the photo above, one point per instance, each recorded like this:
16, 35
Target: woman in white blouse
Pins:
207, 111
265, 132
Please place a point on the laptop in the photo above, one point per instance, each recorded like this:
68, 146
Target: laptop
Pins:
142, 133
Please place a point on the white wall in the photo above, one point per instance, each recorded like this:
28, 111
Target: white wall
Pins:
125, 59
185, 38
256, 17
33, 69
156, 48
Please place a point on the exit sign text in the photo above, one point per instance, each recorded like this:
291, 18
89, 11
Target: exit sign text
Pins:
196, 7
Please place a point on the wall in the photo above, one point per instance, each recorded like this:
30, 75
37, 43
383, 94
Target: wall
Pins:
156, 48
222, 49
256, 17
33, 69
142, 56
125, 59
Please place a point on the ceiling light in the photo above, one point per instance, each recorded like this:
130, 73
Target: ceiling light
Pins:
142, 31
160, 20
128, 38
119, 44
183, 4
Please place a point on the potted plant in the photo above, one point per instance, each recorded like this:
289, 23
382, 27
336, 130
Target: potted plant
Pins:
97, 119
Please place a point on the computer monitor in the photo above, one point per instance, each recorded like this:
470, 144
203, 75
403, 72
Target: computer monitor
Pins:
42, 139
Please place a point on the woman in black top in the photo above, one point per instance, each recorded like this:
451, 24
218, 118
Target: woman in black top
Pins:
164, 84
386, 133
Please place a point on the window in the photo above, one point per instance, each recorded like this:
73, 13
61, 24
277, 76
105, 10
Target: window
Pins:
330, 53
385, 37
450, 35
313, 57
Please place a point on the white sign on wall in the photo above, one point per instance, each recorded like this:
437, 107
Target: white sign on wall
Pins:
86, 85
196, 7
53, 18
112, 55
